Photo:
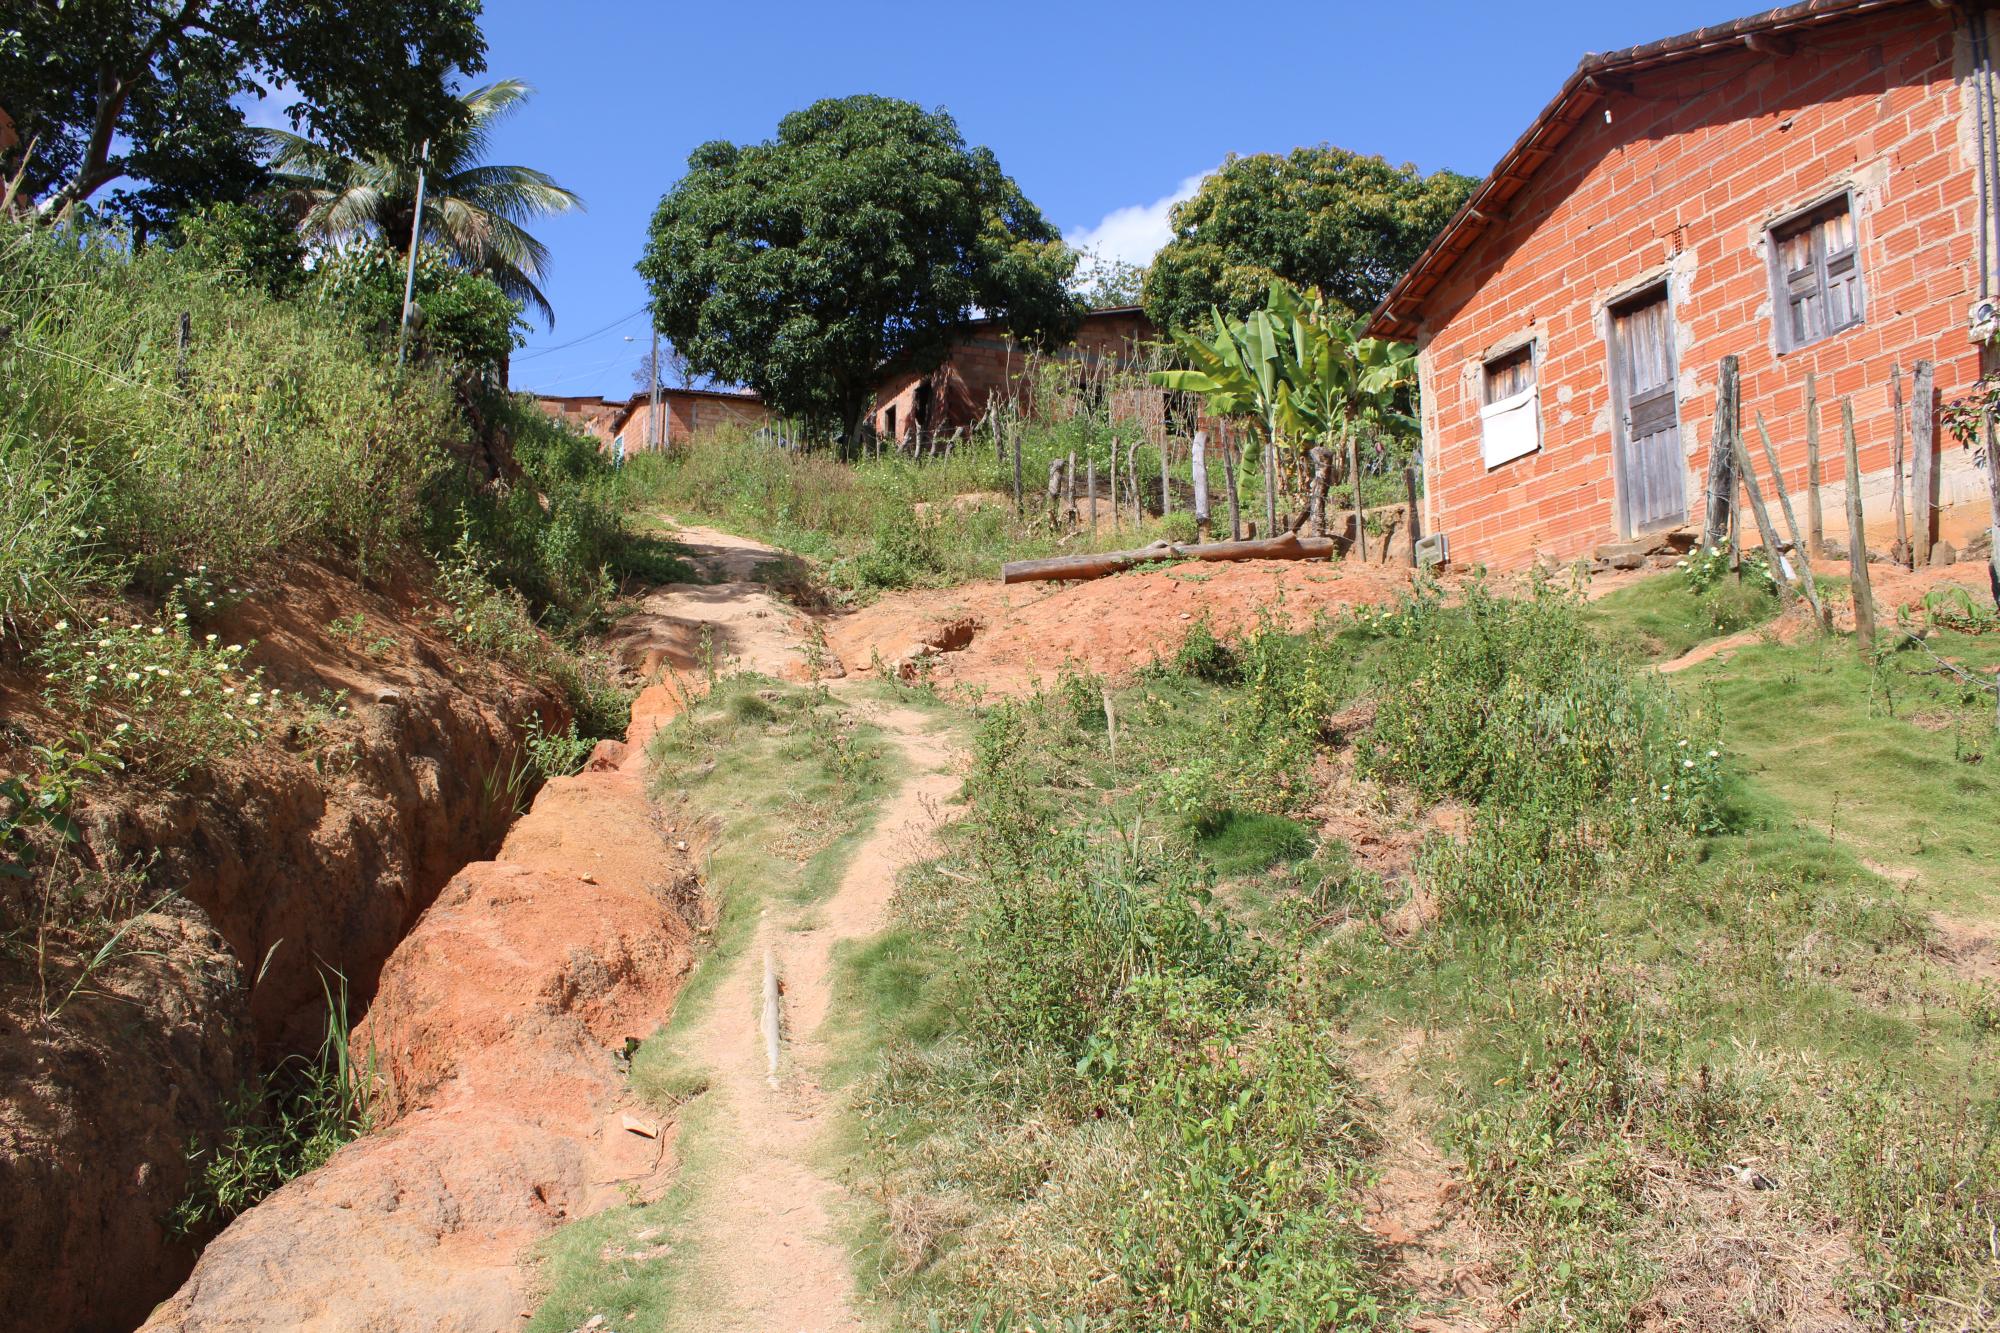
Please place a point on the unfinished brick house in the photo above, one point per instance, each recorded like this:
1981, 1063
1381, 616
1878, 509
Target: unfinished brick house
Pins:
627, 426
986, 364
1808, 189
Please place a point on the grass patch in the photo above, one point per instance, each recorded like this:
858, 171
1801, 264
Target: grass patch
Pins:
1660, 618
752, 758
1645, 978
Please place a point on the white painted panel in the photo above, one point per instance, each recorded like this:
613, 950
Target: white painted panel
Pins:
1510, 428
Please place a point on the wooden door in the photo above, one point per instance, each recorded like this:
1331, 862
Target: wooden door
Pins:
1651, 472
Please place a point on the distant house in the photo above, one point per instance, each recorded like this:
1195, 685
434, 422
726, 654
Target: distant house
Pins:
987, 364
628, 426
1808, 189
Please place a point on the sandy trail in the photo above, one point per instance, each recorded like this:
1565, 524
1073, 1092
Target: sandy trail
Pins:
766, 1224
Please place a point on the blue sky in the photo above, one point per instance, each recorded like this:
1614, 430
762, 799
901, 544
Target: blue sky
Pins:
1103, 113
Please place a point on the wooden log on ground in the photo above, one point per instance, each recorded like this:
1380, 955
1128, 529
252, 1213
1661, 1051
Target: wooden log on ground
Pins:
1857, 538
1791, 524
1285, 547
1923, 465
1198, 470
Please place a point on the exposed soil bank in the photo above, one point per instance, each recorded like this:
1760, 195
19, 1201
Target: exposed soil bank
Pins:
500, 1022
311, 854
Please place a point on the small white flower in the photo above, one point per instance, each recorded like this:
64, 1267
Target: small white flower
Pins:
122, 728
132, 675
61, 625
1681, 744
1713, 753
157, 631
1687, 763
186, 693
180, 615
208, 638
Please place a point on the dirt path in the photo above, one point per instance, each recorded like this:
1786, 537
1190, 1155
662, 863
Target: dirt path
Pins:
765, 1225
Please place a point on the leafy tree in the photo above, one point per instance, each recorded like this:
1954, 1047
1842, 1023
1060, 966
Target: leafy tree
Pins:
1102, 282
143, 88
471, 208
461, 316
1320, 217
866, 232
248, 243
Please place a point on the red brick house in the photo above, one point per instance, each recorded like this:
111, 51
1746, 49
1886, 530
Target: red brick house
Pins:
987, 363
1809, 189
682, 413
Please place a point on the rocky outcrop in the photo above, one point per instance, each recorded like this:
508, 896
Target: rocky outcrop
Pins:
299, 860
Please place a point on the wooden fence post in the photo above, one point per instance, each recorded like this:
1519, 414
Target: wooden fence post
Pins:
1090, 483
1765, 532
1229, 484
1416, 521
1993, 502
1019, 512
1815, 521
1166, 490
1270, 488
1791, 523
1055, 489
1923, 465
1721, 483
1322, 468
1354, 475
1857, 539
1069, 489
1132, 482
1117, 516
1903, 548
1198, 471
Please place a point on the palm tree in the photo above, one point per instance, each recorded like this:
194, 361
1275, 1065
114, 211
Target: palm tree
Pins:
472, 208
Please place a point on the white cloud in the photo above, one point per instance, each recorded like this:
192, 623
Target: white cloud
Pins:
1135, 233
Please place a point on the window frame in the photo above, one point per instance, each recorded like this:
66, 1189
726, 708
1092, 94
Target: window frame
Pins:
1527, 399
1811, 219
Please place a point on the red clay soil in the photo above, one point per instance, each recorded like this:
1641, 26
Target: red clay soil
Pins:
296, 856
499, 1023
1027, 632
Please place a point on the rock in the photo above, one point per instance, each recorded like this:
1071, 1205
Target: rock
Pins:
1944, 553
1831, 550
1624, 555
643, 1128
388, 697
1663, 560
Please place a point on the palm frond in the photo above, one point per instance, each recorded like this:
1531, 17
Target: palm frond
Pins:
516, 193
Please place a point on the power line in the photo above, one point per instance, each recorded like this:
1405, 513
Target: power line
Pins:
598, 333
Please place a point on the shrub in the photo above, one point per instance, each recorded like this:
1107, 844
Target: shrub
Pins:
461, 318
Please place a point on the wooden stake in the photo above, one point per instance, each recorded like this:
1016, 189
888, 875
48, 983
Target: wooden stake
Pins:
1069, 490
1019, 512
1815, 524
1416, 522
1322, 471
1271, 488
1716, 525
1902, 551
1791, 523
1132, 480
1117, 518
1198, 474
1229, 484
1993, 501
1166, 491
1765, 532
1090, 484
1923, 465
1354, 475
1857, 541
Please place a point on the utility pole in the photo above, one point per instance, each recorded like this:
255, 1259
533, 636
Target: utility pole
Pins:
416, 239
658, 432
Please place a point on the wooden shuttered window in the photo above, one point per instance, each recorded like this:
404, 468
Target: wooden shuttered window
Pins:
1510, 408
1816, 270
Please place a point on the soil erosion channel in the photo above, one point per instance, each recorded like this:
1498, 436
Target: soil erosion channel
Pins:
501, 1018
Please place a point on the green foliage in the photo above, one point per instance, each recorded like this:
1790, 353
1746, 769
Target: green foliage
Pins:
276, 429
906, 552
556, 754
165, 79
169, 699
865, 233
1513, 702
35, 804
1321, 217
473, 209
461, 317
251, 244
283, 1125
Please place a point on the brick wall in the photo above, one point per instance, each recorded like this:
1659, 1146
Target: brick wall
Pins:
1694, 163
686, 413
